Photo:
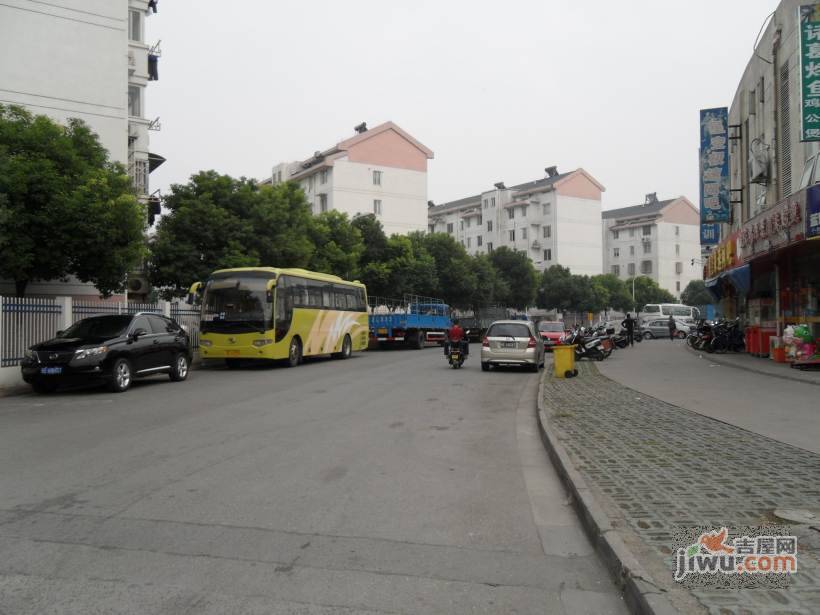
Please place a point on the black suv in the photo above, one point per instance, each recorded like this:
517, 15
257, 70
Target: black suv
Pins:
109, 349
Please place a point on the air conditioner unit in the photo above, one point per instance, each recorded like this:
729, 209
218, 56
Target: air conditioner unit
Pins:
138, 285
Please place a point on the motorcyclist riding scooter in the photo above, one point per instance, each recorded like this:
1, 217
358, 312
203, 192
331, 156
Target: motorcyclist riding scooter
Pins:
456, 347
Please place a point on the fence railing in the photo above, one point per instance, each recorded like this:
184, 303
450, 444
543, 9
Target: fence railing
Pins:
25, 321
29, 320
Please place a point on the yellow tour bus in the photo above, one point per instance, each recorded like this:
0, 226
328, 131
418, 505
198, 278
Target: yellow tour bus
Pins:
271, 313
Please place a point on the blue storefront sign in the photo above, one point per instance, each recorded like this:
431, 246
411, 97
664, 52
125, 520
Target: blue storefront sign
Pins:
709, 233
813, 211
714, 165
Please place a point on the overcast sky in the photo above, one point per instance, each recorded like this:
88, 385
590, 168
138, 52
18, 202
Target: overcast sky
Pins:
497, 90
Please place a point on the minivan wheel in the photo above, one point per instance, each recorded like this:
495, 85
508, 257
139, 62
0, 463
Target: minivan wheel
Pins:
295, 352
121, 376
179, 370
648, 335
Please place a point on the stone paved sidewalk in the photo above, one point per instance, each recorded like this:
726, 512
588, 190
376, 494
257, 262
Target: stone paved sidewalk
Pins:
655, 467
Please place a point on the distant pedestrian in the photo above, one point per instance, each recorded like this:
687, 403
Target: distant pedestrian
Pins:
629, 325
672, 328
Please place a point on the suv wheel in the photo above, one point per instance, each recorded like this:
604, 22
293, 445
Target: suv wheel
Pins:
121, 373
179, 370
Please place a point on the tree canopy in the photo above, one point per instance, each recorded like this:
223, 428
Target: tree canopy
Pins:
65, 209
695, 293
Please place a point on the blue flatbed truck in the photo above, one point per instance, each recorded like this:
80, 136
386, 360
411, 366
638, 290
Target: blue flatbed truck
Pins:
413, 321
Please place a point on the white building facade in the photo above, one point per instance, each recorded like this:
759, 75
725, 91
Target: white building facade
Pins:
555, 220
659, 240
380, 171
85, 59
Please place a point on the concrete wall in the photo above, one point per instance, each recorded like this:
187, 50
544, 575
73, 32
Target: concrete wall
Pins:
578, 243
69, 62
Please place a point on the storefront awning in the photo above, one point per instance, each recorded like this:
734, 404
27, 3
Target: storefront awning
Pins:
154, 160
739, 277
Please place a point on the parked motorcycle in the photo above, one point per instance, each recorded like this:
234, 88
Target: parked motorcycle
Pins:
586, 346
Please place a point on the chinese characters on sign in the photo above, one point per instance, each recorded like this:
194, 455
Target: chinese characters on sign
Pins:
714, 165
813, 211
723, 257
709, 233
776, 227
810, 72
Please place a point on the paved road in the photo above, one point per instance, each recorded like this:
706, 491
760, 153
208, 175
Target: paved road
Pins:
781, 409
387, 483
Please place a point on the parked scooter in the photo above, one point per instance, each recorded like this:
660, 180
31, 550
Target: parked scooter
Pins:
586, 346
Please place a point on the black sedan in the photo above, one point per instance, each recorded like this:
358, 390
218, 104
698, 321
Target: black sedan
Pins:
110, 350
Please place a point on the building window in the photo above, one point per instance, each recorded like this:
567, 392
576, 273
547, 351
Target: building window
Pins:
616, 270
677, 231
489, 226
677, 286
461, 225
630, 269
647, 247
679, 268
646, 230
469, 221
523, 233
377, 207
615, 234
489, 246
479, 241
512, 235
631, 250
492, 202
646, 266
450, 227
677, 249
134, 106
616, 252
469, 242
486, 202
546, 209
377, 178
511, 213
139, 176
547, 231
322, 203
135, 25
631, 233
431, 228
480, 220
547, 254
323, 176
523, 212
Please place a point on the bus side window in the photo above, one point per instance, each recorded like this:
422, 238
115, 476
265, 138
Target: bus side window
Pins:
283, 308
327, 297
340, 301
352, 300
314, 289
361, 303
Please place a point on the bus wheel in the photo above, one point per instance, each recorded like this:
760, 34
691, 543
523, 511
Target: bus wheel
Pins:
347, 349
295, 352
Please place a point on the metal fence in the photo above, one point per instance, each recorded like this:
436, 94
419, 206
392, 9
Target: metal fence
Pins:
29, 320
24, 321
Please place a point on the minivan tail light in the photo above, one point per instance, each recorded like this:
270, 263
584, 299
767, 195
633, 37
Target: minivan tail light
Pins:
531, 343
485, 343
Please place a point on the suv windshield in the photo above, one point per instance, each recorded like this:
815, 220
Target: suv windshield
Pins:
508, 330
236, 305
98, 327
551, 326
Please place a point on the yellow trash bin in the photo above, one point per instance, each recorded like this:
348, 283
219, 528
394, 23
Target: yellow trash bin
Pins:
563, 358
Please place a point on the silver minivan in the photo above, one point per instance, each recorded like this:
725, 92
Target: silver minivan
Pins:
512, 342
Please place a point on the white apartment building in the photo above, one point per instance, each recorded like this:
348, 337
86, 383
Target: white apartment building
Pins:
555, 220
85, 59
380, 171
658, 239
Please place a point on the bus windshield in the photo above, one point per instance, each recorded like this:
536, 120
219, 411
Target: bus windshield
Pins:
237, 304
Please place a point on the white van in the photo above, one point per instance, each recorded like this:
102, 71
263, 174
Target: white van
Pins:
686, 313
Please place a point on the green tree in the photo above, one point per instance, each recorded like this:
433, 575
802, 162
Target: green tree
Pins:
489, 287
619, 297
455, 272
373, 237
216, 221
648, 291
65, 208
695, 293
338, 245
555, 289
519, 275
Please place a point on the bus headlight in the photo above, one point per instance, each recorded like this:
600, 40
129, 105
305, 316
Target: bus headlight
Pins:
263, 342
206, 343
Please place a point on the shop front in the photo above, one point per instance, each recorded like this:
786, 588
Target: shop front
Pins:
783, 251
727, 278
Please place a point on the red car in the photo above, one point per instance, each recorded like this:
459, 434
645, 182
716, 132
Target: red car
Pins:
552, 333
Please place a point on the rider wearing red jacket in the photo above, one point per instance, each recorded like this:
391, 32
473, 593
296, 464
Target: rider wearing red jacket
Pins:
456, 335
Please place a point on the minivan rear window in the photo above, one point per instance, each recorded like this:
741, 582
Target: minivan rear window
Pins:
508, 330
652, 308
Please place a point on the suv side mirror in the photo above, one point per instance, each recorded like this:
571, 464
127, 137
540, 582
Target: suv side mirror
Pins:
59, 333
138, 333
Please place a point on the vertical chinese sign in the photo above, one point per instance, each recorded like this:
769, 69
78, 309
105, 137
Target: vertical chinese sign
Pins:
810, 72
714, 165
709, 233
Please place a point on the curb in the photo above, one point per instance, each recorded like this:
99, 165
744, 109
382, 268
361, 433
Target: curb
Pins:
640, 592
720, 361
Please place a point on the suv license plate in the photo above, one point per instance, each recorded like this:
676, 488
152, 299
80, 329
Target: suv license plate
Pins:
51, 371
510, 345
